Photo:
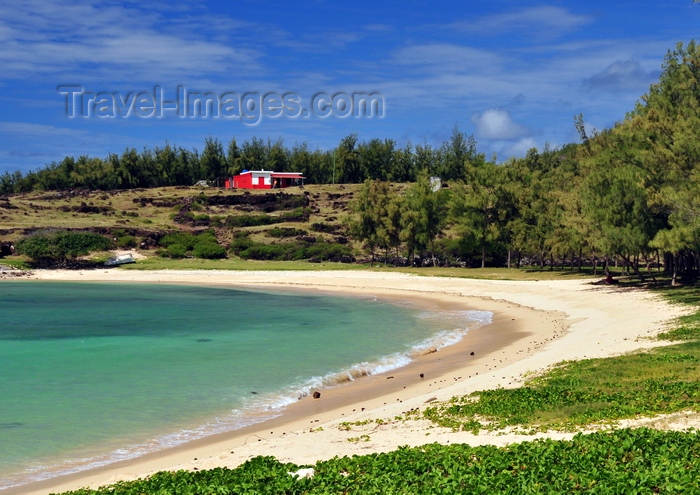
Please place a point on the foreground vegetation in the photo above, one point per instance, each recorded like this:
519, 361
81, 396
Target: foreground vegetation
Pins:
624, 461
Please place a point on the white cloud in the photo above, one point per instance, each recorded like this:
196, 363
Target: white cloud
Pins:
545, 21
446, 57
318, 42
34, 130
127, 42
498, 125
519, 148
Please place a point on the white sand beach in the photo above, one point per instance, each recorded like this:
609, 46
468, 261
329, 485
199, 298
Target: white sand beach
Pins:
536, 325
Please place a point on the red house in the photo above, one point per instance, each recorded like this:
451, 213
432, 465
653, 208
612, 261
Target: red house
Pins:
264, 179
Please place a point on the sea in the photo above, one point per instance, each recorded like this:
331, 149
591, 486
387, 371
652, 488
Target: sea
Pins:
94, 373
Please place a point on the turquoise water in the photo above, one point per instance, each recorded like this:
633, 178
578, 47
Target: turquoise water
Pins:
93, 373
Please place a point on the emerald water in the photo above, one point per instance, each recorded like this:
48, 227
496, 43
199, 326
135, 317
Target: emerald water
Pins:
93, 373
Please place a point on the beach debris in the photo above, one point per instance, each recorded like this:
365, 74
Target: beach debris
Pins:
389, 377
422, 375
316, 395
432, 399
303, 473
471, 353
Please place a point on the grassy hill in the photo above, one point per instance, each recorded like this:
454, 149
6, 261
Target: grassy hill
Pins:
288, 220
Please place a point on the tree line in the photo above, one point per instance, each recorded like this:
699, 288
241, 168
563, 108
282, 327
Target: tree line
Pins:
629, 193
352, 161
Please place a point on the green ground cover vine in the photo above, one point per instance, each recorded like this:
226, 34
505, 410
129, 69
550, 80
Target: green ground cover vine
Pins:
622, 461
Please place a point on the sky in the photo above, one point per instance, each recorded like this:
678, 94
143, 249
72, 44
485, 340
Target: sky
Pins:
92, 78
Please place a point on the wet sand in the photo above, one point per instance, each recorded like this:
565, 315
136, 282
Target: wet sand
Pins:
535, 325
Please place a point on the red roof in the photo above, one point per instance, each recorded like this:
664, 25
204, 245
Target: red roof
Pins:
287, 175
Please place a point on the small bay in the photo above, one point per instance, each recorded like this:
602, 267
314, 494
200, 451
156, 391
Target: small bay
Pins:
92, 373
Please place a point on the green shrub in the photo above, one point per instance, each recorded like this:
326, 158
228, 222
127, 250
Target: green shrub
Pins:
296, 215
126, 242
251, 220
241, 243
329, 228
288, 251
185, 217
217, 221
209, 251
624, 461
278, 252
326, 251
60, 245
182, 244
207, 236
177, 251
184, 238
285, 232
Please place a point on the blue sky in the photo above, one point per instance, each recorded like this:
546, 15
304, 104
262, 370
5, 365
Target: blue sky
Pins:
514, 74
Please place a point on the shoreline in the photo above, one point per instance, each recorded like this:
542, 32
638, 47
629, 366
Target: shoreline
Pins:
535, 325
